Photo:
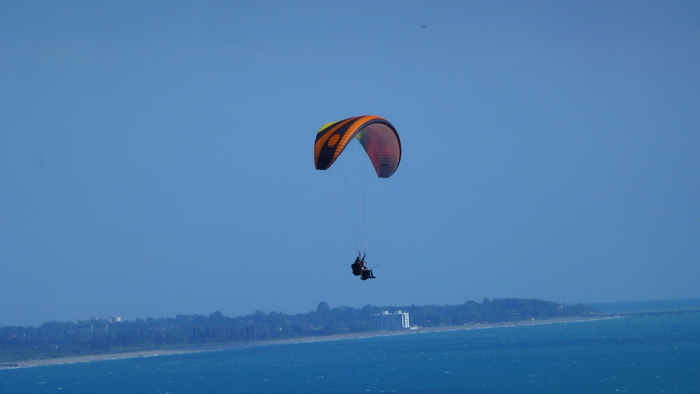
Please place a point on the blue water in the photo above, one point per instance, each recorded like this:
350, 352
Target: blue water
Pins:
643, 354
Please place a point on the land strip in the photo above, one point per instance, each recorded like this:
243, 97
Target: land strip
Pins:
215, 347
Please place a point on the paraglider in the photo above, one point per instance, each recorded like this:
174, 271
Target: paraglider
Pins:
382, 146
377, 136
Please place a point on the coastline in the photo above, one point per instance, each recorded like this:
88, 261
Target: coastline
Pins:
215, 347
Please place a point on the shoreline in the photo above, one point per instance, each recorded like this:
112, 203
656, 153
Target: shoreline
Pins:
236, 345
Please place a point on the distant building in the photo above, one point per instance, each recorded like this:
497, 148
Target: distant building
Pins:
390, 321
100, 320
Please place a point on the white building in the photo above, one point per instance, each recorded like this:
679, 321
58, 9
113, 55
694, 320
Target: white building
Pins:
390, 321
100, 320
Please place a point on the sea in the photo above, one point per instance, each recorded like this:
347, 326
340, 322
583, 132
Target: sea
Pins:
645, 353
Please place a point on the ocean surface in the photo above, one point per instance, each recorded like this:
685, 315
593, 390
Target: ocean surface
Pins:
637, 354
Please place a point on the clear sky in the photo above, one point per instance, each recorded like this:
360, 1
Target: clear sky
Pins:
156, 158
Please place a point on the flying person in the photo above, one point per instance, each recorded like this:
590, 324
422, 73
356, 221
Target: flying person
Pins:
359, 268
366, 272
356, 266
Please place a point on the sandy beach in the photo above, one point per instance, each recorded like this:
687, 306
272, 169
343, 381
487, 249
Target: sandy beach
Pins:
214, 347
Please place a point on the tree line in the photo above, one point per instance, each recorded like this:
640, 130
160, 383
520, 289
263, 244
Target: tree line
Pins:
96, 336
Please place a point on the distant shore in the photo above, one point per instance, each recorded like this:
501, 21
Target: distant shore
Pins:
214, 347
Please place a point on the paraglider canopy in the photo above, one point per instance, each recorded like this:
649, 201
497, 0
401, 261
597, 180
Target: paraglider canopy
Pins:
377, 136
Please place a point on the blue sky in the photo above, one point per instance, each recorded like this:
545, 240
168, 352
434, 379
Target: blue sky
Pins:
157, 156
